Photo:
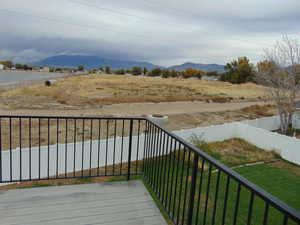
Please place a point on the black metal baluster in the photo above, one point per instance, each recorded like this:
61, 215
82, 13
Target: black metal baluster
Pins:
99, 143
181, 184
29, 148
122, 147
216, 198
145, 149
266, 214
91, 147
207, 194
130, 149
48, 153
237, 202
155, 150
114, 151
163, 168
10, 149
225, 200
168, 173
160, 164
160, 167
151, 155
106, 150
157, 163
145, 156
66, 149
74, 147
250, 209
193, 189
172, 173
200, 191
57, 141
186, 186
137, 147
20, 146
148, 149
285, 220
176, 177
82, 148
39, 148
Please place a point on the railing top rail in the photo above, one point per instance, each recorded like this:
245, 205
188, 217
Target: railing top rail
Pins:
73, 117
275, 202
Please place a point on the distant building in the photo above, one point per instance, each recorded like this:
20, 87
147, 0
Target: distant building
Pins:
205, 77
45, 69
1, 67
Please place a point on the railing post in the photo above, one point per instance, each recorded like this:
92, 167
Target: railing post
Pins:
193, 188
129, 149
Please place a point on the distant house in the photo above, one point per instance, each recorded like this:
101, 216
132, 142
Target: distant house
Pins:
45, 69
1, 67
211, 77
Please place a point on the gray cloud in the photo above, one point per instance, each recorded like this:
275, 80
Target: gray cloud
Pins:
163, 32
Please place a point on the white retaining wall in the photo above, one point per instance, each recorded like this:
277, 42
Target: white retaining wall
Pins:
287, 147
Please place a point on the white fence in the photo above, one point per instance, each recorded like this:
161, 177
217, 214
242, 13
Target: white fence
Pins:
86, 152
256, 132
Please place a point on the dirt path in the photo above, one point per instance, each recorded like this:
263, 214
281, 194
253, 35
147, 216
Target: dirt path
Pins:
140, 109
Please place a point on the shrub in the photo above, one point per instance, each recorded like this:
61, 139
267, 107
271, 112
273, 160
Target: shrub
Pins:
155, 72
136, 70
190, 72
120, 72
238, 71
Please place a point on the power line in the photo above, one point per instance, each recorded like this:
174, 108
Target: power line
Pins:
67, 22
117, 12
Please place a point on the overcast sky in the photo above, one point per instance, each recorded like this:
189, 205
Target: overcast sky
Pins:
164, 32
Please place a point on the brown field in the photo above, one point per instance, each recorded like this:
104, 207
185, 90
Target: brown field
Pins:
25, 132
94, 91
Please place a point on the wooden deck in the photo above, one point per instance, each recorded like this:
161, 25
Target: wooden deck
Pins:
116, 203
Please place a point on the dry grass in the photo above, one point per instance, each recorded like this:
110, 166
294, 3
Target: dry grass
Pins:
260, 110
176, 122
96, 90
234, 152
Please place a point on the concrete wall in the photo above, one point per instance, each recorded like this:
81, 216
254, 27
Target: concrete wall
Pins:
287, 147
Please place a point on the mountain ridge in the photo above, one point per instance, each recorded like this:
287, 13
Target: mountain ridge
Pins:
91, 62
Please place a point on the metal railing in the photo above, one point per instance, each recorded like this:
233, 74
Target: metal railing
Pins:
44, 148
191, 186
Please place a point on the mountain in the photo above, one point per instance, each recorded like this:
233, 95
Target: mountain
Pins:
203, 67
91, 62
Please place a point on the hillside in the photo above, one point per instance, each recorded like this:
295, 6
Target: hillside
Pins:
203, 67
91, 62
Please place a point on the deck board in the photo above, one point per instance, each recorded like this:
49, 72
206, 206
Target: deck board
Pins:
102, 203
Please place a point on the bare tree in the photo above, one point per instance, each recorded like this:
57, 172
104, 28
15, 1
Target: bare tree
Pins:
280, 71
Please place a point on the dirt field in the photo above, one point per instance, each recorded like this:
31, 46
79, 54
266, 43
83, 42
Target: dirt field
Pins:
48, 134
95, 91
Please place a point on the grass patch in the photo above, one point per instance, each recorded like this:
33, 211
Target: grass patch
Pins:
170, 178
235, 152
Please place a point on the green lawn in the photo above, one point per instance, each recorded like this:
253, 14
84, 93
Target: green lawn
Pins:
170, 177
